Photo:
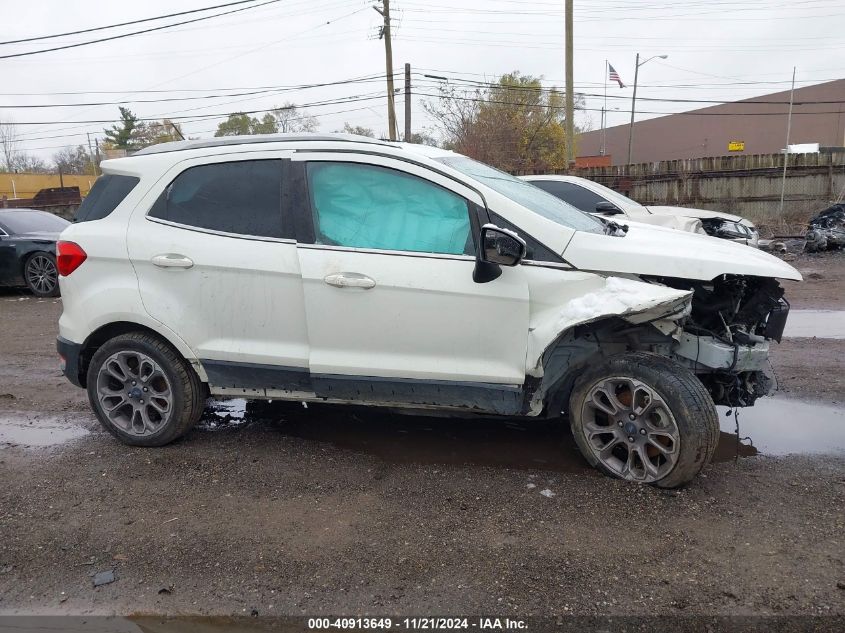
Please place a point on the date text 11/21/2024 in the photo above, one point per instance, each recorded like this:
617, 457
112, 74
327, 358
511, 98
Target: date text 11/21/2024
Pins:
418, 623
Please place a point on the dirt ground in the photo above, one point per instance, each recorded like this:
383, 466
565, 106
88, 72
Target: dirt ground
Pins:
338, 511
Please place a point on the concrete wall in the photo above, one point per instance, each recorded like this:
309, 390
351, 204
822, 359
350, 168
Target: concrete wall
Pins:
27, 185
745, 185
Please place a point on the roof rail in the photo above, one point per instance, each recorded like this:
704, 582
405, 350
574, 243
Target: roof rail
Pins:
221, 141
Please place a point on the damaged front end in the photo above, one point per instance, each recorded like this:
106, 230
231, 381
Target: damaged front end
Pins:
725, 340
730, 230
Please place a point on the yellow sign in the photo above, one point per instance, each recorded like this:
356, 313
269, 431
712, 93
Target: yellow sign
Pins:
736, 146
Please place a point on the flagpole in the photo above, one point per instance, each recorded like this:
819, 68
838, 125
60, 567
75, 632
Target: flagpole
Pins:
604, 114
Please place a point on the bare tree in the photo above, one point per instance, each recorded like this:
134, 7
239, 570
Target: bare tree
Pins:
8, 145
289, 118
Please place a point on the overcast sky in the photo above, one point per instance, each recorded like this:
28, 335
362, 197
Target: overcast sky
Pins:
718, 50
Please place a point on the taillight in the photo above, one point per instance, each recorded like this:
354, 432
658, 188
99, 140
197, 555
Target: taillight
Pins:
69, 257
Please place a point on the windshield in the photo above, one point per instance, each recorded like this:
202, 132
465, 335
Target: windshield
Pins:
526, 194
33, 222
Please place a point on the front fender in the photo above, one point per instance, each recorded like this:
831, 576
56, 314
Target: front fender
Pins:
599, 297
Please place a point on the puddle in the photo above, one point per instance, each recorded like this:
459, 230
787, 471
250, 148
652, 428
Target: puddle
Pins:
21, 429
226, 413
778, 426
775, 426
816, 323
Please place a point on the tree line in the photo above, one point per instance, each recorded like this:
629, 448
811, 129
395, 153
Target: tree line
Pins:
512, 123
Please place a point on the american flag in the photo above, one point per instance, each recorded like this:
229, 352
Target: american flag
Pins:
614, 76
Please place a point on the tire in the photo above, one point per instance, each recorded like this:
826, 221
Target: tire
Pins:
142, 391
664, 429
41, 275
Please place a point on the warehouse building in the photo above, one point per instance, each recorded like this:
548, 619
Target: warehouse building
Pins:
750, 126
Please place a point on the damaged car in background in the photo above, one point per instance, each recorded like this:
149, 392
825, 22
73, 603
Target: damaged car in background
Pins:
592, 197
826, 231
407, 277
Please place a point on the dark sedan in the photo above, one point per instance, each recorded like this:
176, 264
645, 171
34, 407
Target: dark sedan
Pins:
28, 250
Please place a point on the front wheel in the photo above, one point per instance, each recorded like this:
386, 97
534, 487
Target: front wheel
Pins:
41, 275
142, 391
644, 418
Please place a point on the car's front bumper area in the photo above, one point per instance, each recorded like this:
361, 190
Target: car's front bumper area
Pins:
70, 354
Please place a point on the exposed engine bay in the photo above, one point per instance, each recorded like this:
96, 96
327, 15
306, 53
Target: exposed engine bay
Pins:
726, 337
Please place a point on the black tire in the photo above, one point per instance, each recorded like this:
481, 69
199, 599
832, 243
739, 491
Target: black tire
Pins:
684, 396
186, 392
41, 275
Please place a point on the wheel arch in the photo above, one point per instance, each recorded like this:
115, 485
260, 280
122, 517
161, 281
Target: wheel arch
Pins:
110, 330
568, 355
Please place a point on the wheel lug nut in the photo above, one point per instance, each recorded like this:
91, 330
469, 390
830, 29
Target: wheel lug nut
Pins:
630, 438
642, 431
145, 389
142, 402
134, 383
619, 423
632, 416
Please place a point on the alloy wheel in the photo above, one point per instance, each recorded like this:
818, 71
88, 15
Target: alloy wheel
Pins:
630, 429
134, 393
41, 274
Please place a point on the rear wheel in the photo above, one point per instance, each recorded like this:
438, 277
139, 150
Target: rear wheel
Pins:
643, 418
41, 275
142, 391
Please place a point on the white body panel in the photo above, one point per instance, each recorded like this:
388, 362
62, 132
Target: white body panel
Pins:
650, 250
240, 300
425, 318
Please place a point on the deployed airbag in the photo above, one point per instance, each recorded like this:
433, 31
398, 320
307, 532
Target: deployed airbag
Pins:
364, 206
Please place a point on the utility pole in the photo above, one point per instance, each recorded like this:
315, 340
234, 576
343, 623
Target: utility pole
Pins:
407, 103
634, 100
91, 154
388, 60
633, 107
786, 151
570, 89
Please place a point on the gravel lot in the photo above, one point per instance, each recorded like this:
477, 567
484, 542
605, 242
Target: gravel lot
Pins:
346, 512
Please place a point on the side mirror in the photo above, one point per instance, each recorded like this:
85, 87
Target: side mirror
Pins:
498, 247
607, 208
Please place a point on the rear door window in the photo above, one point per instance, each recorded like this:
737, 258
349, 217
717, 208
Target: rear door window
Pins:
244, 198
108, 192
366, 206
576, 195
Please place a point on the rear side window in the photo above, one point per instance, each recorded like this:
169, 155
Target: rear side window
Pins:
242, 197
577, 196
365, 206
108, 192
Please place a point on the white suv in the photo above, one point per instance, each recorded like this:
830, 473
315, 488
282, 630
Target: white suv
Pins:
341, 269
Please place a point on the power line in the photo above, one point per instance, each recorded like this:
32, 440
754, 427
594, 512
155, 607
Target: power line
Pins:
150, 30
112, 26
270, 89
200, 117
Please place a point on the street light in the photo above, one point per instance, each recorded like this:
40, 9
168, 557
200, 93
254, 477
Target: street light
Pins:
634, 101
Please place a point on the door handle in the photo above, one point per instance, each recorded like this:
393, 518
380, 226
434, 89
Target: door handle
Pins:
350, 280
172, 260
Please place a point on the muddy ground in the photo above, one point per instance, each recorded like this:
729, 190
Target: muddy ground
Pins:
347, 512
